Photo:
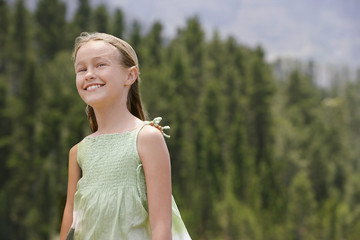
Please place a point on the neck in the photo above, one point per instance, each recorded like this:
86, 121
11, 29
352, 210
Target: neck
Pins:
115, 119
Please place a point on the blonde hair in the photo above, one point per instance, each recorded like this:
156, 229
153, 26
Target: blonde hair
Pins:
128, 59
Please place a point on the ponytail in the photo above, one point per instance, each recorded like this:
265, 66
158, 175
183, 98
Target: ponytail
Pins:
92, 118
134, 103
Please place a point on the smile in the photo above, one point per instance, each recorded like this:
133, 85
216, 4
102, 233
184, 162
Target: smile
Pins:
92, 87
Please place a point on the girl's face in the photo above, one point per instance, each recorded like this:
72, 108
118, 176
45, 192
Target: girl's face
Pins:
100, 79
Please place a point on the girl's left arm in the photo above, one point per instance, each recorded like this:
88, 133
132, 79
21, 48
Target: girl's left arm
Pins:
156, 164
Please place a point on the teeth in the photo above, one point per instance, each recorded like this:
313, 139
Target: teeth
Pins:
93, 87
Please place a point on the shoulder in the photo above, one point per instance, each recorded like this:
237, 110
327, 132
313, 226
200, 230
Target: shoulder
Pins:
73, 151
151, 142
150, 133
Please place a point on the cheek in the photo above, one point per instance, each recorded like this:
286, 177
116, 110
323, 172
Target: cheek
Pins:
79, 86
78, 83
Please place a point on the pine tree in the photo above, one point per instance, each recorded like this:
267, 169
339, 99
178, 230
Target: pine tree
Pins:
22, 162
4, 33
19, 45
303, 95
301, 208
5, 150
118, 25
50, 16
212, 165
135, 39
151, 65
155, 43
101, 19
82, 17
193, 37
262, 90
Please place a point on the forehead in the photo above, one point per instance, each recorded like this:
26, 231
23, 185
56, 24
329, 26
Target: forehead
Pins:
96, 49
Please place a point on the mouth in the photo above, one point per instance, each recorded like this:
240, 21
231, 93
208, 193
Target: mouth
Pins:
93, 87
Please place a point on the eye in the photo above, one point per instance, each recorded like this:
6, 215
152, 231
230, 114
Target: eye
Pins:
81, 70
101, 65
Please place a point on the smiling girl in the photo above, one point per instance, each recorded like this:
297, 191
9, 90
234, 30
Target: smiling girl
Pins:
119, 182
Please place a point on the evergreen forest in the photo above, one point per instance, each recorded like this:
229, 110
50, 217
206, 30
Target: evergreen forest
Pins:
255, 154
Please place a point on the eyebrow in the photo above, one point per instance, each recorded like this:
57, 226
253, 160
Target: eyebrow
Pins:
94, 58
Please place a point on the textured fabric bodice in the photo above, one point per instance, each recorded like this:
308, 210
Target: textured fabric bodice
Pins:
110, 201
110, 162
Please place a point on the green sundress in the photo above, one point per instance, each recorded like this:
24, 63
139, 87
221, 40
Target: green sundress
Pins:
111, 202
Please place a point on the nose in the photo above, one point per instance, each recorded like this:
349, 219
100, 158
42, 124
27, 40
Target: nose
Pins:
90, 75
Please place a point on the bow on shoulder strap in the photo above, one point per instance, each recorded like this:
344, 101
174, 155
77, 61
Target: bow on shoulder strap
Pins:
155, 122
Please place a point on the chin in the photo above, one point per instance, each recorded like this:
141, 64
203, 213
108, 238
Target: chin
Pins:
94, 102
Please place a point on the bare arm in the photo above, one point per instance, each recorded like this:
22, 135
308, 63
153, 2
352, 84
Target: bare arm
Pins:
156, 163
73, 178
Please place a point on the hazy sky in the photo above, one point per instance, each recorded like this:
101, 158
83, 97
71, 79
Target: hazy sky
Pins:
324, 30
327, 31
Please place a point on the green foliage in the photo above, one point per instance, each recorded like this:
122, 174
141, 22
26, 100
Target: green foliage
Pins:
4, 31
301, 207
101, 19
135, 39
118, 27
253, 157
50, 17
82, 18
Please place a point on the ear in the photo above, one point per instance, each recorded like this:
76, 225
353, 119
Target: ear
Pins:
132, 76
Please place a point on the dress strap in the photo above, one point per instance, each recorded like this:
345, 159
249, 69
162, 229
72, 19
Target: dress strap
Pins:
155, 122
